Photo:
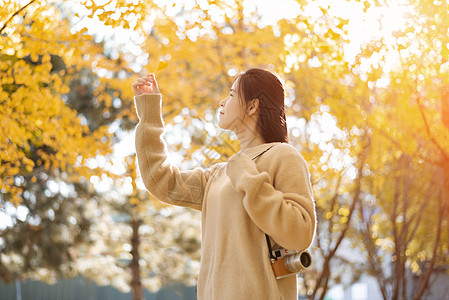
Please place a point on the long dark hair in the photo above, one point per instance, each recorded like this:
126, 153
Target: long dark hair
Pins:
264, 85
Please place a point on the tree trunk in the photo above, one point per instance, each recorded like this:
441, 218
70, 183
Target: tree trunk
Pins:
136, 284
445, 120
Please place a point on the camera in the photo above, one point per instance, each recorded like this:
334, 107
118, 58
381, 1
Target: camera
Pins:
287, 262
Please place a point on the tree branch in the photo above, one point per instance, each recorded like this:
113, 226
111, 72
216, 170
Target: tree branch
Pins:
424, 285
15, 14
397, 254
418, 214
445, 107
330, 223
405, 224
432, 138
325, 274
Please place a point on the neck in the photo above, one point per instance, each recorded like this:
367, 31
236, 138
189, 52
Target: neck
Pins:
249, 136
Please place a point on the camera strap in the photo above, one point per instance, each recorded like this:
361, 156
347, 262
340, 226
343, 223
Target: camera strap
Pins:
260, 154
270, 250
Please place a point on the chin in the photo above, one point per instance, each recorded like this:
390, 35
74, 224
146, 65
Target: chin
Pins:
221, 126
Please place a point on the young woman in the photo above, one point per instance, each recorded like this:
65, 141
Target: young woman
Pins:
262, 189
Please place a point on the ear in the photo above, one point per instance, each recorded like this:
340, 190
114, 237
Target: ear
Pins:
253, 106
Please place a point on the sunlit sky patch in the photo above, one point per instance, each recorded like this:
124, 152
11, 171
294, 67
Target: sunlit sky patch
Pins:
362, 27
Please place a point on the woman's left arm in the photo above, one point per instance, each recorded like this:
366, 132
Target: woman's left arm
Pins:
284, 210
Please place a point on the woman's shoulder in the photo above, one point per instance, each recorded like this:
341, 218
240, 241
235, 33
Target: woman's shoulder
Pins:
285, 153
285, 149
286, 164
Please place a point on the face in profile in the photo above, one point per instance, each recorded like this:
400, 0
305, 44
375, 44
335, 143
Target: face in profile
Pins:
231, 113
257, 109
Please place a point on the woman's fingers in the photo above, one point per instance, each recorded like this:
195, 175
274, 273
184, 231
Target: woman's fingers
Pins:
143, 81
146, 84
152, 79
140, 84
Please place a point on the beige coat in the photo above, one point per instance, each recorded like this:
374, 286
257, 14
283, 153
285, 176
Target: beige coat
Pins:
240, 201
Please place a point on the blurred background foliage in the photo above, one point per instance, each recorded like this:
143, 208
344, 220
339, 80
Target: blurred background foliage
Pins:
369, 113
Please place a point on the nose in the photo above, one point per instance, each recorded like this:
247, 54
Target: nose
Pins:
222, 102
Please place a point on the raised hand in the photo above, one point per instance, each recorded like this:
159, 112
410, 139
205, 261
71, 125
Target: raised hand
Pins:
146, 85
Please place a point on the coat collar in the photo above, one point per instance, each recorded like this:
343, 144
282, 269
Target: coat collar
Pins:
256, 150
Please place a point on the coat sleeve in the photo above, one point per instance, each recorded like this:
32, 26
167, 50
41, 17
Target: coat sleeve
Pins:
162, 179
284, 210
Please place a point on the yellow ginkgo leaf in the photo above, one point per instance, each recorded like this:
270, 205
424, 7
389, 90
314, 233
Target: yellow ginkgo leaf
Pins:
162, 65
